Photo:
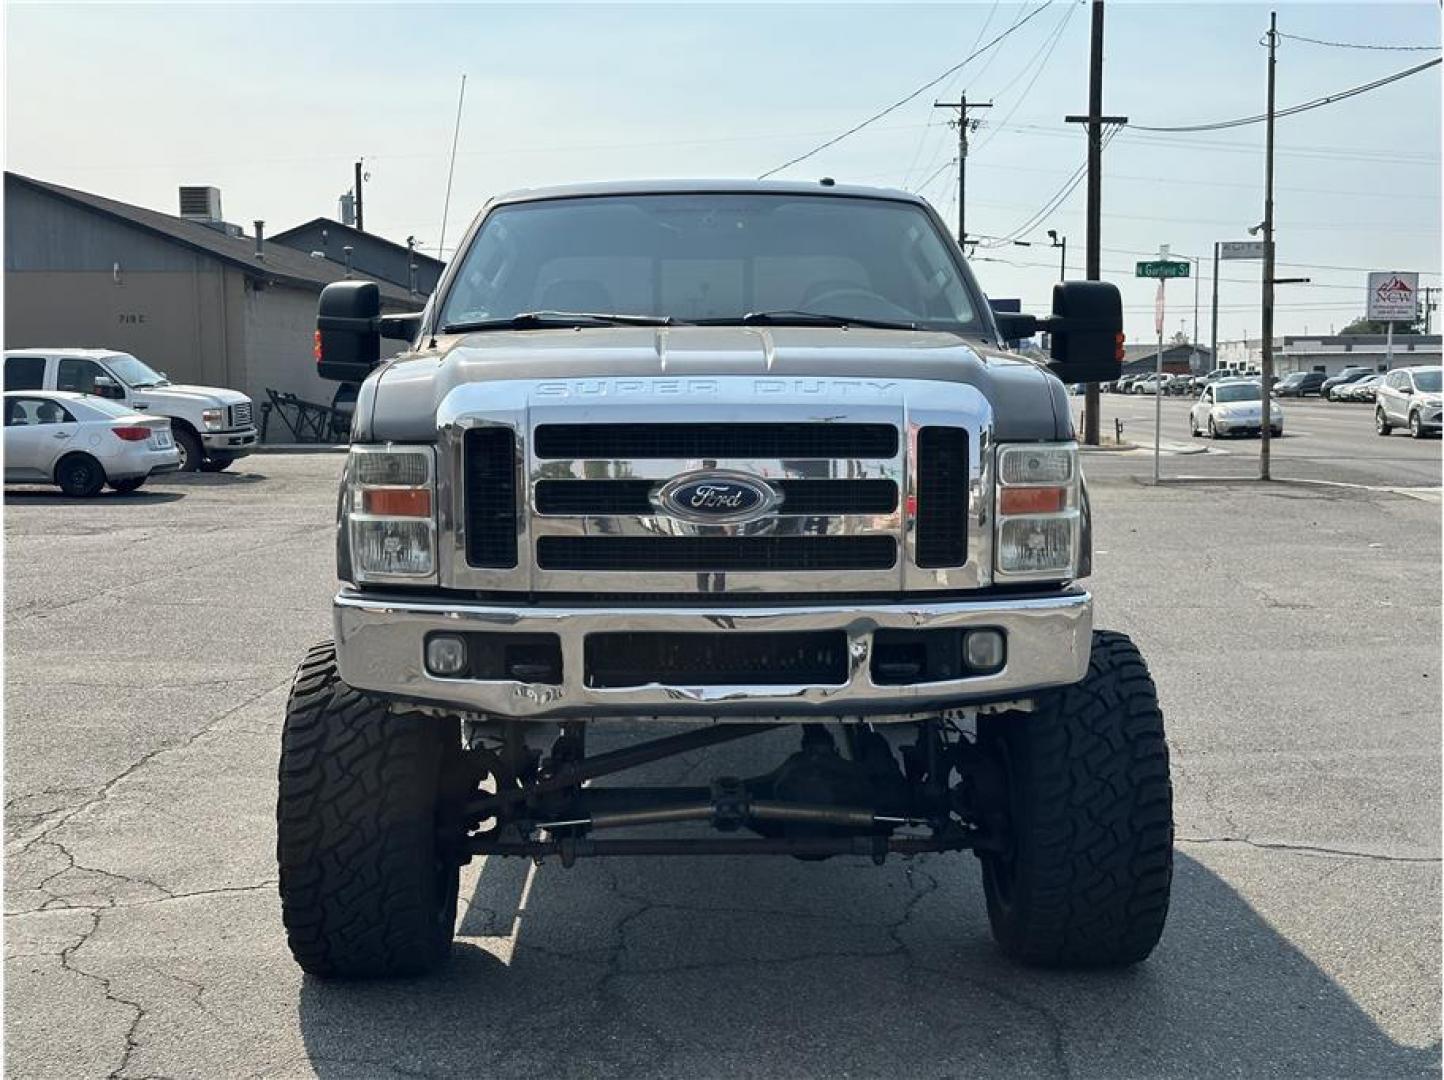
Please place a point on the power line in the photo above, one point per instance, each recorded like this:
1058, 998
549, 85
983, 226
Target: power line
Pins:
1355, 45
1055, 201
1038, 64
903, 101
1292, 110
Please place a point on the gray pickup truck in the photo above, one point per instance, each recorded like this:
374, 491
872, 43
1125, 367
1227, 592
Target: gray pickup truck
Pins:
733, 457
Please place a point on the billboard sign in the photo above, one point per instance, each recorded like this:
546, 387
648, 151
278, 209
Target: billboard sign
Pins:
1393, 297
1241, 249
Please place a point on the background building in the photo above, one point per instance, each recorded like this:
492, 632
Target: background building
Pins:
190, 295
1331, 353
370, 254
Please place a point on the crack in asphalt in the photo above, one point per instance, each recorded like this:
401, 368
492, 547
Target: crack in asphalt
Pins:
67, 961
1308, 849
105, 789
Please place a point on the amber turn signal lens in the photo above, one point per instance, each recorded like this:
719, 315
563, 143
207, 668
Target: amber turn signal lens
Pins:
1032, 500
397, 502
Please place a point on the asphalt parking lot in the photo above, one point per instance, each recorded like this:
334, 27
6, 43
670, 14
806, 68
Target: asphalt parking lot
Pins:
1294, 634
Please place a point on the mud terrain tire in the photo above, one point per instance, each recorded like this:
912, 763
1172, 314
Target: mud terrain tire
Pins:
1086, 880
366, 890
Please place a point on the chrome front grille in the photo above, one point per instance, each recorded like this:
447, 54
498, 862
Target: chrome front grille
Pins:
241, 415
568, 497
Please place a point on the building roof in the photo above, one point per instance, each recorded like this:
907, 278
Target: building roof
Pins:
280, 263
1141, 350
350, 233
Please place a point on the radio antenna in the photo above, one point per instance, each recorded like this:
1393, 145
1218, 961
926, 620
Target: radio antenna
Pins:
451, 171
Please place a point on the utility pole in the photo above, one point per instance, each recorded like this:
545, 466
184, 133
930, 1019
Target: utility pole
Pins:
1213, 337
1266, 369
360, 221
1095, 121
964, 125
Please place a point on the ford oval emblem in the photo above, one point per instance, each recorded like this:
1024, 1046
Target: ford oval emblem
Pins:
716, 498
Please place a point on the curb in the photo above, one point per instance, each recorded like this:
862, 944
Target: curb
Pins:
299, 448
1107, 448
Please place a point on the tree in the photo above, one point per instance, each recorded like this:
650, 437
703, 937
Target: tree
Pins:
1368, 326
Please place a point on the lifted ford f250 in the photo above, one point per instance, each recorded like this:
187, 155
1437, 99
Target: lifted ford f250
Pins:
735, 456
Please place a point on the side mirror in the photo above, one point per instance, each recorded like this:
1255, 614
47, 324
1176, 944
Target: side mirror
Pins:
1406, 390
107, 387
1086, 331
348, 341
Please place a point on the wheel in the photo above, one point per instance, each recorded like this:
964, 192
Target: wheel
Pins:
1193, 426
190, 449
1213, 429
1416, 426
129, 484
216, 464
80, 476
367, 889
1086, 879
1381, 422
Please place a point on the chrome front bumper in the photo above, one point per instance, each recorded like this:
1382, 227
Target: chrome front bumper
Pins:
379, 646
237, 443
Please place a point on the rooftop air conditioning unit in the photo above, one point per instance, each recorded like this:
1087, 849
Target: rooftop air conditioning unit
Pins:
200, 204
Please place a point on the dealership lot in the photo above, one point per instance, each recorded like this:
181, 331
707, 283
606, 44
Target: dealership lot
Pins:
1293, 632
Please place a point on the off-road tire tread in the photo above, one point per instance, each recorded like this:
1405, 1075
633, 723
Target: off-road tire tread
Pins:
356, 831
1095, 839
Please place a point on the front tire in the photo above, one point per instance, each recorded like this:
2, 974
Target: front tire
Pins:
1416, 425
367, 890
1089, 869
1213, 429
189, 446
1381, 422
80, 476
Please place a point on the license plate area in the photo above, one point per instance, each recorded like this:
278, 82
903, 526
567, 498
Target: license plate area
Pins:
161, 440
787, 658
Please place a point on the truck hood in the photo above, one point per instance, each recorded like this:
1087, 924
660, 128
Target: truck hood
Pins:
400, 400
181, 396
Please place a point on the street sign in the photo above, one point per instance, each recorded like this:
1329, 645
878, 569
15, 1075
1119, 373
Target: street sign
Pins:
1241, 249
1163, 268
1393, 297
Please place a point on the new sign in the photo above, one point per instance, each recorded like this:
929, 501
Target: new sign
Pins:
1393, 297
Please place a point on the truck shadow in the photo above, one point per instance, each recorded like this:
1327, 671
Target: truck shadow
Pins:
39, 496
772, 967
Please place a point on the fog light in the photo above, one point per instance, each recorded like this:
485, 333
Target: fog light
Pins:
983, 649
445, 654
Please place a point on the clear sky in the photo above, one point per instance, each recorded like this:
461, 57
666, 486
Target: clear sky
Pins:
273, 103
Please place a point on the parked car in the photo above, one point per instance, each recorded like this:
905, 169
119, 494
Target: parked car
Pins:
1409, 397
212, 426
82, 443
1359, 390
1233, 407
1179, 385
1348, 375
1150, 384
1299, 384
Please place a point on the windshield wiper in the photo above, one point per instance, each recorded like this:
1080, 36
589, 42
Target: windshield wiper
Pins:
806, 318
528, 320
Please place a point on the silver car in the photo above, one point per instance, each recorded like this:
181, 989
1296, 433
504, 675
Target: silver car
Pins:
1409, 397
1233, 407
82, 443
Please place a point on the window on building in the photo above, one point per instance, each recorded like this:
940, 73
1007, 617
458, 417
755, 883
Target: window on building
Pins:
25, 373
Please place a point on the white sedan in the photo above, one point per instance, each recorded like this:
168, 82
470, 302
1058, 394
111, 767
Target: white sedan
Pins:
1233, 407
83, 443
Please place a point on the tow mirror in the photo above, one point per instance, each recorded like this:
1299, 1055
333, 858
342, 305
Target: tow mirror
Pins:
1085, 330
348, 341
107, 387
349, 329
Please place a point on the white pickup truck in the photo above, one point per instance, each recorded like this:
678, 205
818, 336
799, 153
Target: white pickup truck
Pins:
212, 426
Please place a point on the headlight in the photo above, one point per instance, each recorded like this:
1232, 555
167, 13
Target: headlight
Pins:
391, 511
1038, 521
213, 418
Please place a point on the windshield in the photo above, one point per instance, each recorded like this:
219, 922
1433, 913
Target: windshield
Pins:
1238, 392
712, 258
1427, 381
134, 373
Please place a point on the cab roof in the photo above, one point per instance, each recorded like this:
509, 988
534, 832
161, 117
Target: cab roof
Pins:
706, 187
